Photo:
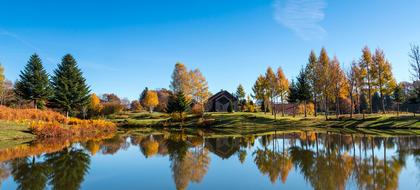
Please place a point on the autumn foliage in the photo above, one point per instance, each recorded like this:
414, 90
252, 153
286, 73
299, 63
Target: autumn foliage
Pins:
46, 123
23, 115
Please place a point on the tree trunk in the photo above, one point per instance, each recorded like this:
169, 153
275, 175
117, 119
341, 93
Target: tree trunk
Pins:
36, 104
382, 102
398, 109
282, 107
305, 109
67, 114
337, 105
294, 109
326, 109
351, 106
315, 106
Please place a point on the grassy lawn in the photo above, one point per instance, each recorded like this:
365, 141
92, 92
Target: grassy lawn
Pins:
247, 123
12, 133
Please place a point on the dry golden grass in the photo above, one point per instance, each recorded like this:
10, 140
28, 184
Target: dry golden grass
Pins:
47, 123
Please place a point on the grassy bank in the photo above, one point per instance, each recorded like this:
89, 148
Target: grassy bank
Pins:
13, 133
245, 123
23, 125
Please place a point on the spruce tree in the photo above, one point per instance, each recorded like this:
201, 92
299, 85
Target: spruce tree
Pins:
33, 82
293, 96
303, 88
230, 107
240, 92
398, 96
178, 104
71, 93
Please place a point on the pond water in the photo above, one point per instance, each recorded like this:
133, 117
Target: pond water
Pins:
302, 160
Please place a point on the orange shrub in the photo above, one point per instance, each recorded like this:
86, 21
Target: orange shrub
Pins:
197, 109
11, 114
47, 123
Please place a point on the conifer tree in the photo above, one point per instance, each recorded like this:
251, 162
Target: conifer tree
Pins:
324, 80
293, 96
385, 81
33, 83
178, 104
398, 97
366, 65
240, 92
143, 95
71, 92
303, 88
230, 107
363, 104
339, 84
314, 74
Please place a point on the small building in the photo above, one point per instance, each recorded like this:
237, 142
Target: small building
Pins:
220, 102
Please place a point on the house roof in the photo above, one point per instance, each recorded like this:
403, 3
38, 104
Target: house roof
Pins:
222, 93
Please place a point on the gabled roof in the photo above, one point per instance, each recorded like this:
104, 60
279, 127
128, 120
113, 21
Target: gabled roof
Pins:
222, 93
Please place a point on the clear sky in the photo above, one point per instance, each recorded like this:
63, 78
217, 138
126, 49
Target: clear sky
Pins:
123, 46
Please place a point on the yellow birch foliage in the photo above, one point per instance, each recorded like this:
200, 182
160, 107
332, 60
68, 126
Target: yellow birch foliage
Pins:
282, 83
199, 87
95, 103
151, 100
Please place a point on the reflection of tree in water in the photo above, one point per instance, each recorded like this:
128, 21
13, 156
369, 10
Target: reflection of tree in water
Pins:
187, 164
62, 170
114, 144
273, 162
30, 174
332, 165
4, 171
68, 168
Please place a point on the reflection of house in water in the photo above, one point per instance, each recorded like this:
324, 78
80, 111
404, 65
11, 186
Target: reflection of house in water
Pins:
223, 147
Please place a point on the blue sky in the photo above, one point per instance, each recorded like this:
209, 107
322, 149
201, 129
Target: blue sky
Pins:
124, 46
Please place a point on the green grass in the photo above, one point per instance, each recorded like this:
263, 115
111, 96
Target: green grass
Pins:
12, 133
248, 123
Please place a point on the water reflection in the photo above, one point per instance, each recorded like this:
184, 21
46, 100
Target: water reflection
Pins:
323, 160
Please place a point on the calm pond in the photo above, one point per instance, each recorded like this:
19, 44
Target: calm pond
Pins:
303, 160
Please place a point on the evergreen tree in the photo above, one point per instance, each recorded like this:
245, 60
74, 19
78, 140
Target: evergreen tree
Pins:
71, 93
398, 97
230, 107
303, 88
178, 104
376, 102
364, 104
143, 95
33, 83
240, 92
385, 81
293, 96
388, 101
315, 75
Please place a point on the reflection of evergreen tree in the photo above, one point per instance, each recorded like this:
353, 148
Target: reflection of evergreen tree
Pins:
29, 174
4, 171
242, 156
68, 168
